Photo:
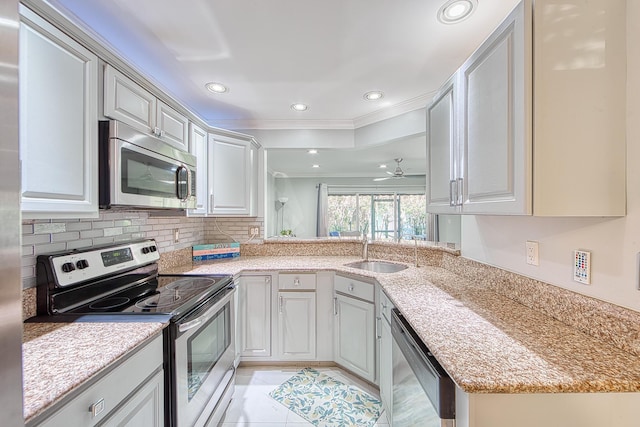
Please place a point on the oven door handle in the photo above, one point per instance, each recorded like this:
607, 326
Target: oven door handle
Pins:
183, 327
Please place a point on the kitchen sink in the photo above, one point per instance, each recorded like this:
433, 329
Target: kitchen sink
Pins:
377, 266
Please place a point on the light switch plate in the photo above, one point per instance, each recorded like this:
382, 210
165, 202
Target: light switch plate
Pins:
582, 266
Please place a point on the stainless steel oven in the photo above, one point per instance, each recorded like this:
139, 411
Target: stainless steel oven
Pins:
423, 393
203, 368
139, 170
121, 283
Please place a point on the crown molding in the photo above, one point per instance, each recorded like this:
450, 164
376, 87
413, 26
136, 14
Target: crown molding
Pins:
283, 124
394, 110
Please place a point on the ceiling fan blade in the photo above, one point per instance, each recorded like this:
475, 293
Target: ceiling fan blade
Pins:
390, 173
382, 179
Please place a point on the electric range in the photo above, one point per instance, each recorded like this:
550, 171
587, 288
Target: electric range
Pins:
120, 283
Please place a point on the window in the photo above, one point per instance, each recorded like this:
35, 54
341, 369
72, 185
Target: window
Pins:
388, 216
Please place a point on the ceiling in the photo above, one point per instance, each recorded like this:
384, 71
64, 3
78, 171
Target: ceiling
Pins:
356, 162
273, 53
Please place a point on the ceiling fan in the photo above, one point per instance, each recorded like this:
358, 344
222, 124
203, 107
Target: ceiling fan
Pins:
397, 173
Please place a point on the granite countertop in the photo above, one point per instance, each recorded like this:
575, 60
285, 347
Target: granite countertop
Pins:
59, 357
487, 343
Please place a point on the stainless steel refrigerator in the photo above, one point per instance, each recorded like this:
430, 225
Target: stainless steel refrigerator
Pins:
10, 223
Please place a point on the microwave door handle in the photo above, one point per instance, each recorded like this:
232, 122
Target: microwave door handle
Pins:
182, 183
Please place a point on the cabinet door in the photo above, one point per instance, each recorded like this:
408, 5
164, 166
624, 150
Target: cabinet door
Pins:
58, 123
144, 409
297, 325
256, 197
198, 147
255, 316
126, 101
354, 336
172, 127
496, 123
229, 175
441, 151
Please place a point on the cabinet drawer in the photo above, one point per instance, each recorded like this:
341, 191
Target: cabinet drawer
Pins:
108, 392
297, 281
355, 288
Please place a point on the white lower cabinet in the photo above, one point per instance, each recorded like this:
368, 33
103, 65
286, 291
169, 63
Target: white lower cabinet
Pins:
319, 316
130, 394
297, 325
353, 333
254, 322
144, 408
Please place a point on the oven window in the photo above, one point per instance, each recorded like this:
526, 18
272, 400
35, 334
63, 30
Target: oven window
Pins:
206, 347
146, 175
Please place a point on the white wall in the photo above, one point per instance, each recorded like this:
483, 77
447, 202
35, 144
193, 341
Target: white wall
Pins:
614, 242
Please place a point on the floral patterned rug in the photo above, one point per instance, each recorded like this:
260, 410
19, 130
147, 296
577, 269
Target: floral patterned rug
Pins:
327, 402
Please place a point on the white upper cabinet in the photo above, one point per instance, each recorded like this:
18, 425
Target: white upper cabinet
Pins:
198, 147
535, 125
58, 123
173, 127
495, 135
232, 189
441, 150
128, 102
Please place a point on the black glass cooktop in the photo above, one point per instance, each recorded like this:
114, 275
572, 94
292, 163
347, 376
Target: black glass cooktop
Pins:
160, 295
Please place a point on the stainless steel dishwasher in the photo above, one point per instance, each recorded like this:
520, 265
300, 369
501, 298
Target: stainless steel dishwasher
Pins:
423, 393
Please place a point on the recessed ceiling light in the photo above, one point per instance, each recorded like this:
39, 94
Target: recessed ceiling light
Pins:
312, 151
216, 87
315, 166
299, 107
373, 95
455, 11
383, 166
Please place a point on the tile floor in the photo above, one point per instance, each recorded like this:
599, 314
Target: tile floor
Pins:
251, 405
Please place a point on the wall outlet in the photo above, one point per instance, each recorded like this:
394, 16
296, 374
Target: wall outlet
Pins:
582, 266
176, 235
532, 253
254, 231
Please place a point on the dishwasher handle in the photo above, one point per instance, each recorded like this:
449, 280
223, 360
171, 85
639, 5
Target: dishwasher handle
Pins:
435, 381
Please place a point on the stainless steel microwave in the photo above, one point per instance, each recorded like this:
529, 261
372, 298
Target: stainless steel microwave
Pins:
137, 170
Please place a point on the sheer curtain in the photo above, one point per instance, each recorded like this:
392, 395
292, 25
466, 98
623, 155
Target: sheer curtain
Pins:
322, 222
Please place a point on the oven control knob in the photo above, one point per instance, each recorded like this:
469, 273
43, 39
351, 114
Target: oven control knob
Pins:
68, 267
82, 264
145, 250
153, 248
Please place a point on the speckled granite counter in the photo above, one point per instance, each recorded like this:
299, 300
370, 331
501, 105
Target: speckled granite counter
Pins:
58, 357
487, 342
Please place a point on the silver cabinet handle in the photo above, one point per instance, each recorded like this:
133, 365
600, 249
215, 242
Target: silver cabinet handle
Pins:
281, 303
97, 408
296, 282
351, 287
210, 202
335, 306
378, 334
459, 189
452, 183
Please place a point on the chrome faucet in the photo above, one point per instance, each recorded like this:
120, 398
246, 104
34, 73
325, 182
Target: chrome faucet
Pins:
365, 247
